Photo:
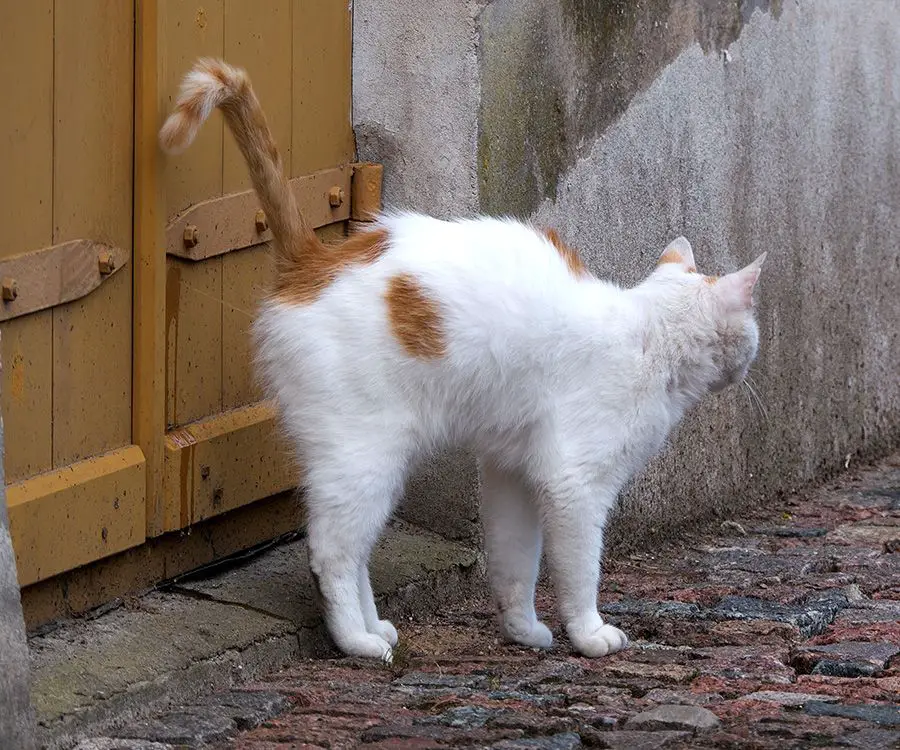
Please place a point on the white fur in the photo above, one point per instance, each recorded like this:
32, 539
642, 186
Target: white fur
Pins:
563, 387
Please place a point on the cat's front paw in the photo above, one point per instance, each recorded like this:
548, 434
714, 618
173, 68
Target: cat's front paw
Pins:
386, 630
525, 633
595, 638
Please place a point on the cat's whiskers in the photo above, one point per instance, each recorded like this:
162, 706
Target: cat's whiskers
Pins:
757, 400
755, 388
746, 393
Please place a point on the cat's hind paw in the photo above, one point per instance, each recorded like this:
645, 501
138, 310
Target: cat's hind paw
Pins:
366, 645
600, 641
386, 630
534, 634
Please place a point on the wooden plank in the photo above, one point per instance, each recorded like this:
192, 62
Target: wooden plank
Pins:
229, 223
26, 129
149, 311
92, 178
190, 31
92, 373
246, 276
193, 339
227, 461
258, 39
57, 274
178, 483
26, 357
76, 591
322, 130
66, 518
193, 313
26, 221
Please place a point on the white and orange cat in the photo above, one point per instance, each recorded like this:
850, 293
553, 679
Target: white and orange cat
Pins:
416, 333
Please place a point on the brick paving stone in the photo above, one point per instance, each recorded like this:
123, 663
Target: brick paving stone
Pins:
728, 634
683, 697
678, 717
566, 741
788, 698
870, 739
111, 743
844, 658
637, 740
872, 611
878, 714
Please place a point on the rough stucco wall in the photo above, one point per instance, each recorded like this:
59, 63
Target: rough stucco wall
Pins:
747, 125
788, 144
415, 95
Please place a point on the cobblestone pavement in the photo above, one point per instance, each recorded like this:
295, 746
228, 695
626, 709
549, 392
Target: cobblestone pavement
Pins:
779, 630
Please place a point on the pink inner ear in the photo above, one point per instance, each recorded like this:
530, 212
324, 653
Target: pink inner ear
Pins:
736, 289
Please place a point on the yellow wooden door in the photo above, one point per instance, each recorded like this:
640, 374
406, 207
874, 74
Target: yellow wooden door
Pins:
76, 484
128, 280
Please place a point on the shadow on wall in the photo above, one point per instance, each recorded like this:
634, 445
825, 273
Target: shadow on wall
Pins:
556, 74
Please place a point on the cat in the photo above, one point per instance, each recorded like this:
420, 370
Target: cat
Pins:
416, 333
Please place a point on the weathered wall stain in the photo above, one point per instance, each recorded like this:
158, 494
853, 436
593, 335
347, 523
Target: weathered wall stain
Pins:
559, 72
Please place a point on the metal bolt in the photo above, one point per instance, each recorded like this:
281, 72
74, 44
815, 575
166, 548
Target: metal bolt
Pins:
104, 533
204, 472
335, 196
217, 497
262, 223
191, 236
107, 262
10, 289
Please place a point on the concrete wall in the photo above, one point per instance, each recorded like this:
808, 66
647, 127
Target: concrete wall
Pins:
748, 126
16, 729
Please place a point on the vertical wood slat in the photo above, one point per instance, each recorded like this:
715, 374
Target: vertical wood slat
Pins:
149, 392
194, 290
193, 339
26, 222
322, 129
258, 40
92, 179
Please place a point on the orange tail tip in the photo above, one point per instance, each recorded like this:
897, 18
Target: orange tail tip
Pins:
210, 84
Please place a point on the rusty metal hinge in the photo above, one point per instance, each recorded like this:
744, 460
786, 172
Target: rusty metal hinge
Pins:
233, 222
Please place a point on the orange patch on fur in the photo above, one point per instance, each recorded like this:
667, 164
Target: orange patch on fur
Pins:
710, 279
317, 265
569, 256
670, 256
415, 318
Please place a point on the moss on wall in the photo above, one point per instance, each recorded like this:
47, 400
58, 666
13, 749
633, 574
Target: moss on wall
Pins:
556, 73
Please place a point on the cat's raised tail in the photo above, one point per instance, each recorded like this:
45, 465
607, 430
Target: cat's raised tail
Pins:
214, 83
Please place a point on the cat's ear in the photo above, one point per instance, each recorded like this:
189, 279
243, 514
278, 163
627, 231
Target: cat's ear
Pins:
736, 289
679, 251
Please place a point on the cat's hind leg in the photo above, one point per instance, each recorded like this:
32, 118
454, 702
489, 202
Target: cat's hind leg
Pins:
513, 545
350, 496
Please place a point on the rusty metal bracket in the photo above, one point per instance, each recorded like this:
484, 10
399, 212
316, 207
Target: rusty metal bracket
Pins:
233, 222
365, 191
236, 221
55, 275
